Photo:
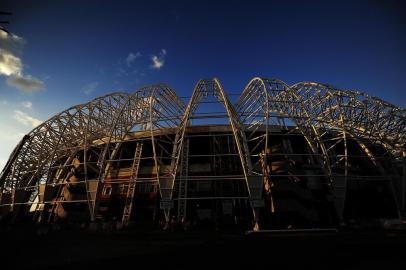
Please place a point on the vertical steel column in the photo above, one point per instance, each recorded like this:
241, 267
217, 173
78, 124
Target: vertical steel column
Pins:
129, 201
183, 181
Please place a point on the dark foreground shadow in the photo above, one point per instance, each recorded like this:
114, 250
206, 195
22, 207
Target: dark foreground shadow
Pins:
25, 249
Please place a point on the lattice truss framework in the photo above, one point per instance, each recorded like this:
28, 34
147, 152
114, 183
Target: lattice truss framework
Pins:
99, 127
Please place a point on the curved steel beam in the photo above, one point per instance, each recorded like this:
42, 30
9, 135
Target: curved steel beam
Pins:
364, 116
282, 102
150, 108
350, 114
314, 108
213, 87
51, 141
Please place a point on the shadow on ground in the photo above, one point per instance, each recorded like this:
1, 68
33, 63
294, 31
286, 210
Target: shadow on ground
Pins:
75, 249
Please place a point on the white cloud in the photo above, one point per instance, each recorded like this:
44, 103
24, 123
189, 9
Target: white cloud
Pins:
46, 77
3, 162
11, 130
158, 61
11, 42
9, 138
26, 83
131, 58
27, 104
121, 72
6, 36
88, 89
11, 65
25, 119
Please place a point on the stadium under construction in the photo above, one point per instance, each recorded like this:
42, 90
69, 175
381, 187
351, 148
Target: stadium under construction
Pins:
305, 156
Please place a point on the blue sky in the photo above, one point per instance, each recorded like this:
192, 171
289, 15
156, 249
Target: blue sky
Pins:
68, 52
